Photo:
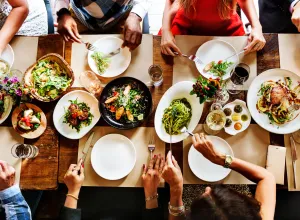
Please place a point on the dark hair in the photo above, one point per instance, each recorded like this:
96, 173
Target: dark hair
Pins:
225, 204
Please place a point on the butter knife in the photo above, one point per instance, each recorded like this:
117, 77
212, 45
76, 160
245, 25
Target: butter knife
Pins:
294, 159
87, 146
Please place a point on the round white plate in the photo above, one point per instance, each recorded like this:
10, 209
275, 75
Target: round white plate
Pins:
203, 168
8, 55
252, 98
63, 104
245, 124
177, 91
113, 156
7, 112
216, 50
118, 63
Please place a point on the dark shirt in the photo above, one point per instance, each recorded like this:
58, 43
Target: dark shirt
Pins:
275, 16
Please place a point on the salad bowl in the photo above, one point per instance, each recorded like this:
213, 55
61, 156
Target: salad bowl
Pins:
50, 93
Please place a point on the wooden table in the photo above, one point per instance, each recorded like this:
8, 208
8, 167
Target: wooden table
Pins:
45, 171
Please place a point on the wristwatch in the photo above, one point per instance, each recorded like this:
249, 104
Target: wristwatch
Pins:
228, 161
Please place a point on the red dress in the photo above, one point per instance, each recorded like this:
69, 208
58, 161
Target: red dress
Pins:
206, 21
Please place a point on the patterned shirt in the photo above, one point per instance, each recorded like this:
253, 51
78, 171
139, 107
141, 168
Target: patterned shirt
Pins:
14, 204
103, 14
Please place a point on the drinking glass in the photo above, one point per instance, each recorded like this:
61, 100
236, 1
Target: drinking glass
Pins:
24, 151
156, 75
237, 79
91, 83
215, 122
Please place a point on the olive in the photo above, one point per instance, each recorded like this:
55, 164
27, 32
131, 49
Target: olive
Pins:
227, 111
228, 122
238, 108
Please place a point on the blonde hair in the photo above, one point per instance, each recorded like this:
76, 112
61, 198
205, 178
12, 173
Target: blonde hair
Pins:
225, 7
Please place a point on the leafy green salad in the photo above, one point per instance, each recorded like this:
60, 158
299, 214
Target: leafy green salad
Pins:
218, 68
49, 79
102, 63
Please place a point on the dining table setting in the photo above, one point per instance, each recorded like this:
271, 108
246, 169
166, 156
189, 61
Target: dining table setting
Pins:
116, 109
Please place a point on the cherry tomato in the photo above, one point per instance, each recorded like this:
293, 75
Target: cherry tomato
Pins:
115, 93
220, 61
26, 120
74, 115
112, 108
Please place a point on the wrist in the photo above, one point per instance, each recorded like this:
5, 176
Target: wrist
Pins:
176, 192
152, 204
256, 26
152, 193
220, 159
62, 13
135, 16
74, 192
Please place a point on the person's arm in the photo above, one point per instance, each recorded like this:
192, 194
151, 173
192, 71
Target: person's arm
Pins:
11, 197
295, 10
266, 185
256, 40
13, 22
73, 179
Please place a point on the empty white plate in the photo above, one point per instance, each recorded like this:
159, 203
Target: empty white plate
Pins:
203, 168
8, 55
216, 50
113, 156
64, 103
118, 63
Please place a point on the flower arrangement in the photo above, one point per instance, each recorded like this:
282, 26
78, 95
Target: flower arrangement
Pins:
13, 87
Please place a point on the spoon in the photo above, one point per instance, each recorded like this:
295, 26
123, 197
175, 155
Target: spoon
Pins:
185, 130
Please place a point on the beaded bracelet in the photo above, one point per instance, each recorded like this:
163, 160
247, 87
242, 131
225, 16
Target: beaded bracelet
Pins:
151, 197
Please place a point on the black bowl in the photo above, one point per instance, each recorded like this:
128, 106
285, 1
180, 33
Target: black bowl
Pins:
109, 117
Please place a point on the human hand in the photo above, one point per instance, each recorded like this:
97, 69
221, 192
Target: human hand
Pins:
256, 40
168, 44
206, 148
172, 175
67, 28
7, 175
296, 16
151, 175
132, 32
74, 178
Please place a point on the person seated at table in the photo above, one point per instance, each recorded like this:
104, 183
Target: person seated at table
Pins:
103, 17
219, 202
11, 198
208, 18
22, 17
279, 16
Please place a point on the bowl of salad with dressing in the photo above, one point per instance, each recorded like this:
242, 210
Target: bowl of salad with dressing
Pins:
49, 78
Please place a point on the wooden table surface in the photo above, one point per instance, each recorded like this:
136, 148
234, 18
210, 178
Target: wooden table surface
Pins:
58, 152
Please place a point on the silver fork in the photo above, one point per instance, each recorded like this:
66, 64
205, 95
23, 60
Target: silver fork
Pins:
151, 146
193, 58
90, 46
115, 52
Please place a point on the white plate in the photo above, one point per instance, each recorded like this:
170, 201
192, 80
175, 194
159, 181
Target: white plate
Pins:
7, 111
118, 63
59, 111
245, 124
252, 98
216, 50
203, 168
8, 55
177, 91
113, 156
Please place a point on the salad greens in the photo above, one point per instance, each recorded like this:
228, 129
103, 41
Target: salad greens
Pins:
219, 68
49, 79
101, 62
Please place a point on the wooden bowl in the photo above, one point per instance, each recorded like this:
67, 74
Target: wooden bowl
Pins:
28, 81
30, 134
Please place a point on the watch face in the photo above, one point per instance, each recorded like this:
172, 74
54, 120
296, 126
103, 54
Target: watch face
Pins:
228, 159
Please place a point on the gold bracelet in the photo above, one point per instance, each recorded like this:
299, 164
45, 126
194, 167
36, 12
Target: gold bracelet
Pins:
151, 198
74, 197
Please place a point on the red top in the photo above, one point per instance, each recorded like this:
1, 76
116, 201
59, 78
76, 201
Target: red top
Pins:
206, 21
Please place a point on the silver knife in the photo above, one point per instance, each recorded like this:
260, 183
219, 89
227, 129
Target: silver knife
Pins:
294, 159
87, 146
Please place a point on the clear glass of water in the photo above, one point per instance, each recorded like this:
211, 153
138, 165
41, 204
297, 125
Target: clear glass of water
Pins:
24, 151
215, 122
237, 79
91, 83
156, 75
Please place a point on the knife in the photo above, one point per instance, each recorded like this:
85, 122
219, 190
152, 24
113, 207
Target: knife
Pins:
294, 159
87, 146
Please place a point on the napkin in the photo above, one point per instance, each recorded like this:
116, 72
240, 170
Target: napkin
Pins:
141, 59
185, 69
140, 138
9, 138
250, 145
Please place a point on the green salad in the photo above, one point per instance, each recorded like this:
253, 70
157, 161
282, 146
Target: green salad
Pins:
102, 63
49, 79
218, 68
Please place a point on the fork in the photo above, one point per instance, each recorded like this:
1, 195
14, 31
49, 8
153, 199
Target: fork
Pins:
151, 146
90, 46
193, 58
115, 52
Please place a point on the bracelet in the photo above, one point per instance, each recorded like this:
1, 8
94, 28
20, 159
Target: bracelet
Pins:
151, 197
74, 197
176, 208
176, 213
62, 11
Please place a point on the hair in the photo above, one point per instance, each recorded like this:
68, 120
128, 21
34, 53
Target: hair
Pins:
225, 204
225, 7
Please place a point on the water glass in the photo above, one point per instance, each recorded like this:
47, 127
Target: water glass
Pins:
24, 151
91, 83
156, 75
215, 122
237, 79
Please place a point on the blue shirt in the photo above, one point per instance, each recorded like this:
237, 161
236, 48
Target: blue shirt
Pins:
14, 204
